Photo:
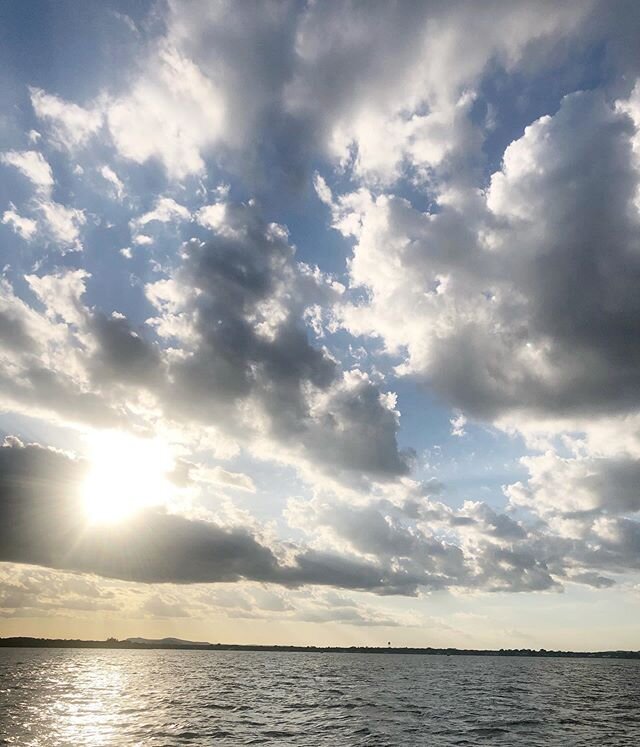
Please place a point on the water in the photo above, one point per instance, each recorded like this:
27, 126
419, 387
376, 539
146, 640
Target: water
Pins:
91, 697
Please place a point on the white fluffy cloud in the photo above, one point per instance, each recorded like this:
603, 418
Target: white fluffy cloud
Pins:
166, 210
59, 222
33, 165
578, 485
173, 113
70, 125
23, 226
109, 175
64, 223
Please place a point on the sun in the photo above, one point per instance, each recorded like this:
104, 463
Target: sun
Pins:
126, 474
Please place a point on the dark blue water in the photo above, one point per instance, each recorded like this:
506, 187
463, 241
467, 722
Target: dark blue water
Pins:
91, 697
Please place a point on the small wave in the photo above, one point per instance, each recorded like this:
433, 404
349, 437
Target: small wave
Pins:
488, 731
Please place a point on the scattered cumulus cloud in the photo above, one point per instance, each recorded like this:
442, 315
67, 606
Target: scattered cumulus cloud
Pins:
166, 210
109, 175
71, 125
23, 226
32, 164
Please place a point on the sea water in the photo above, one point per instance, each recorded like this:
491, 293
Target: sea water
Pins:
81, 697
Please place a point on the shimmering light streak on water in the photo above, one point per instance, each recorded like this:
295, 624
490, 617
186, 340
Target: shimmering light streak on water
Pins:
93, 697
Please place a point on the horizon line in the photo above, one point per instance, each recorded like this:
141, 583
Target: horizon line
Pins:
139, 643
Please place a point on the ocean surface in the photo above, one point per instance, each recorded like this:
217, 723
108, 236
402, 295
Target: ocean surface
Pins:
81, 697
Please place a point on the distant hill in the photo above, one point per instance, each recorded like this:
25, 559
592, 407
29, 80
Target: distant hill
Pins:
166, 642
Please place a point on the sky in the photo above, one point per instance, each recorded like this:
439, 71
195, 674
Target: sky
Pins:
320, 323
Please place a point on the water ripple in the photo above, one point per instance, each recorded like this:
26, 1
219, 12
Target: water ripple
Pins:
103, 698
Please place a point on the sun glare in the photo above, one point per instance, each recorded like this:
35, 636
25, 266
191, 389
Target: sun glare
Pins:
126, 474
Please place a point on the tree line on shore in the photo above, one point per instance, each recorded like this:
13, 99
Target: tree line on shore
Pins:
114, 643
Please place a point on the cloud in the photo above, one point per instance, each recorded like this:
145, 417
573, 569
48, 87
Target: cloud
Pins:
166, 210
43, 523
61, 223
374, 532
370, 90
375, 91
386, 548
512, 295
44, 363
172, 113
472, 548
157, 606
581, 484
27, 591
64, 223
378, 548
387, 88
121, 354
220, 476
251, 601
457, 425
236, 306
346, 614
519, 299
71, 126
33, 165
107, 173
234, 309
26, 228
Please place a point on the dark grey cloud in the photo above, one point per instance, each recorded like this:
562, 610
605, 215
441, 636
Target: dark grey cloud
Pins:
591, 578
517, 569
379, 531
40, 388
13, 332
524, 298
613, 547
615, 483
122, 354
228, 280
42, 522
474, 547
244, 297
571, 229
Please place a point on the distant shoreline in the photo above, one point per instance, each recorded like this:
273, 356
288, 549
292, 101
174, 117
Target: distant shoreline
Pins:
25, 642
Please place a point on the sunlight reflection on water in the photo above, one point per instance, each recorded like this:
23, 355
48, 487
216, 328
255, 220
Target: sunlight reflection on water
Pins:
85, 703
